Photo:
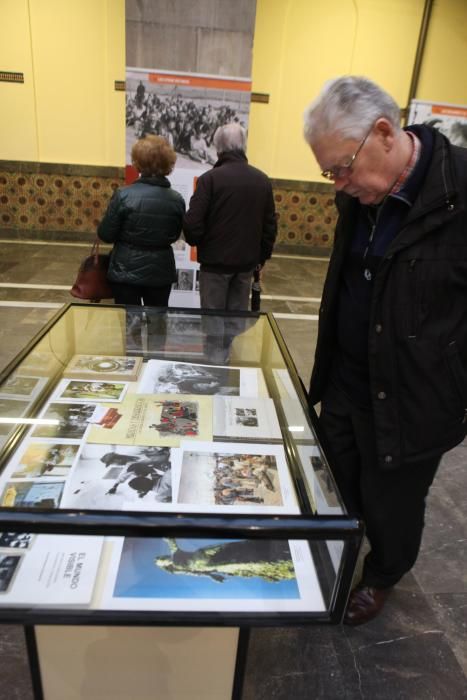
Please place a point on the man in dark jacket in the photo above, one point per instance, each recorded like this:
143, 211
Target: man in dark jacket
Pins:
391, 358
231, 219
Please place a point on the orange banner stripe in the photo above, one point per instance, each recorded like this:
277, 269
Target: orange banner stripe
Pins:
449, 111
194, 81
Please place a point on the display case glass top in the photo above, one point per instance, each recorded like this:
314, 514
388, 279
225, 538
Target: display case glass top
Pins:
165, 463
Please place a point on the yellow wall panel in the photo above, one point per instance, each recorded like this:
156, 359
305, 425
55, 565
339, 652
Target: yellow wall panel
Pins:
314, 41
115, 69
18, 138
442, 77
74, 77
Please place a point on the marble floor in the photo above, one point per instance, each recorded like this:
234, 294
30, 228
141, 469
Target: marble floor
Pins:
415, 650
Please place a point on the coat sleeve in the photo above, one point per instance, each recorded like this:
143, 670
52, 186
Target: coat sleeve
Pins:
194, 222
269, 234
109, 228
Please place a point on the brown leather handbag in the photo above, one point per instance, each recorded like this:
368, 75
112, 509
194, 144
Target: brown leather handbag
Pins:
91, 281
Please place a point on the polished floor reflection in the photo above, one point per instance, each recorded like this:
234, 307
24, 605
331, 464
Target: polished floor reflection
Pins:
416, 649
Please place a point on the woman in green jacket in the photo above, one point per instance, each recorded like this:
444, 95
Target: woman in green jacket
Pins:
142, 221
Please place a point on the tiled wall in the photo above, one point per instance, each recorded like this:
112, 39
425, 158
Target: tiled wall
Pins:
306, 216
52, 200
46, 200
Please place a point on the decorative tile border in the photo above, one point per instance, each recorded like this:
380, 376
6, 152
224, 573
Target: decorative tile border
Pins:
306, 215
49, 197
54, 200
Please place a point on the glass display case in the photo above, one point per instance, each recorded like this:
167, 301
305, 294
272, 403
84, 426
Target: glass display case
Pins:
161, 468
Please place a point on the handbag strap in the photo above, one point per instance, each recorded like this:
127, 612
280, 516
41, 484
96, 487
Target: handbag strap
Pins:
95, 249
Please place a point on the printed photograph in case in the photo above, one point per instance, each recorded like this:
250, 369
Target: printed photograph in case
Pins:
72, 421
161, 377
43, 459
240, 477
31, 494
208, 574
80, 390
104, 367
15, 540
143, 419
115, 477
245, 418
321, 483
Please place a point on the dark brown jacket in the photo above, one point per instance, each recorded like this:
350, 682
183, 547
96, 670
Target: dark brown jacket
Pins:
231, 217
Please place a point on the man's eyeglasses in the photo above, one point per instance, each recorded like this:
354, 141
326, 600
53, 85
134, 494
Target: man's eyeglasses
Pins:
339, 171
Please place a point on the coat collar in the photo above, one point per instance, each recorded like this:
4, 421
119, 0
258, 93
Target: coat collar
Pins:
236, 156
158, 180
436, 201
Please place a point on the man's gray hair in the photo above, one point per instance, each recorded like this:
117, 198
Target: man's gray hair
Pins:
348, 106
230, 137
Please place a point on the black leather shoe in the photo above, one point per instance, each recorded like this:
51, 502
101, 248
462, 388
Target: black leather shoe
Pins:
365, 603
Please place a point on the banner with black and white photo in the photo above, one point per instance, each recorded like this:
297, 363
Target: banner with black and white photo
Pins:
449, 119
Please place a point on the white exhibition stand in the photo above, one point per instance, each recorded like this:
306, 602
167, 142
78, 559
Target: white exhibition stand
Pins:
136, 663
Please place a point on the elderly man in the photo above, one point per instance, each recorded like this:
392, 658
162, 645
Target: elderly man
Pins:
231, 219
391, 358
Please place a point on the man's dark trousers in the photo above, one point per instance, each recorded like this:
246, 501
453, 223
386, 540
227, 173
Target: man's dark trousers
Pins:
390, 502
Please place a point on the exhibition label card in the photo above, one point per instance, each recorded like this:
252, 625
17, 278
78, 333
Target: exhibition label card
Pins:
147, 419
50, 570
245, 418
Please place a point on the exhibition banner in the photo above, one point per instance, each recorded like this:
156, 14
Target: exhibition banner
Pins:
449, 119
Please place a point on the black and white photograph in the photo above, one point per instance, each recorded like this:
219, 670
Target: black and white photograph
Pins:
185, 280
118, 477
186, 115
323, 489
15, 540
246, 417
70, 421
161, 377
8, 567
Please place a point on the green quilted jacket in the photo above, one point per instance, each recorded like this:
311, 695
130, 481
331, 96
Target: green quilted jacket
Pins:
142, 220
